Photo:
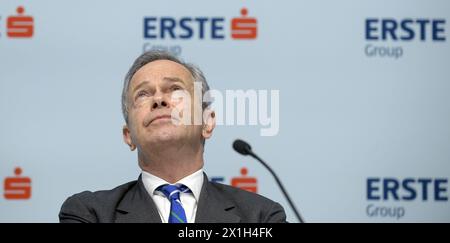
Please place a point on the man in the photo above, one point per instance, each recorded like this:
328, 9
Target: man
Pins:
172, 186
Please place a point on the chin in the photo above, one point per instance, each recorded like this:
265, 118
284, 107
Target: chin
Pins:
164, 135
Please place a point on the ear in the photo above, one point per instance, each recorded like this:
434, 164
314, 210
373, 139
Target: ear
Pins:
209, 123
127, 137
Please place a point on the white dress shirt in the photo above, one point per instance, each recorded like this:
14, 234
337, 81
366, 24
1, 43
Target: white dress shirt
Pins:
189, 201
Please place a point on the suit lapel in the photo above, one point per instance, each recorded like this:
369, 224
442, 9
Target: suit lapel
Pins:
137, 206
213, 207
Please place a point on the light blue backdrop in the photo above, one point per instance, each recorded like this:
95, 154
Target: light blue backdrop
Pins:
345, 116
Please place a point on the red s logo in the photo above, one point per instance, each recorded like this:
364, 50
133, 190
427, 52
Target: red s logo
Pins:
17, 187
20, 26
244, 27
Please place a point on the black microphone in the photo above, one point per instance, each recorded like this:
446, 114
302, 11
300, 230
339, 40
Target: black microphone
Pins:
244, 148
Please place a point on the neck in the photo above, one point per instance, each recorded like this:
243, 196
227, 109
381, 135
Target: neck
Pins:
171, 163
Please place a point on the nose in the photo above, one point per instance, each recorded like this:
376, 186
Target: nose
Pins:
159, 101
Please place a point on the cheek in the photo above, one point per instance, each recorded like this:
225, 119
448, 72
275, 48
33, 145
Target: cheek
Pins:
181, 107
136, 118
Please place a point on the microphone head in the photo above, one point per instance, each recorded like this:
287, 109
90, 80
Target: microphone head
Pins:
242, 147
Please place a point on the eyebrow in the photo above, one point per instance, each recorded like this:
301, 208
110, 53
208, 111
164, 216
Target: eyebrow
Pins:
170, 79
139, 85
174, 79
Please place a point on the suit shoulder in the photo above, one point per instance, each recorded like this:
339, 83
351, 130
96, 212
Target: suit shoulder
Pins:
105, 195
252, 207
85, 205
243, 196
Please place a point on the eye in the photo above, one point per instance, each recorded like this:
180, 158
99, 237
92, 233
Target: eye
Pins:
176, 87
141, 93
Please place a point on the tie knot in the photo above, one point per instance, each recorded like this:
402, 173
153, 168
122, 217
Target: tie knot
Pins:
172, 192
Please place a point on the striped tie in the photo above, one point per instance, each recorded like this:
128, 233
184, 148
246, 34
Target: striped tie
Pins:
172, 192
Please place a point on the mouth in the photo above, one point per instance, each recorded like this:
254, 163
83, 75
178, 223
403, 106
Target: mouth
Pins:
161, 118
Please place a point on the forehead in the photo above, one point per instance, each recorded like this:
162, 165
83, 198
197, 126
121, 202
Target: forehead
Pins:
157, 70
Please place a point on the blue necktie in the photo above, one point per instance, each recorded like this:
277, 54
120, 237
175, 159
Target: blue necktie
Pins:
172, 192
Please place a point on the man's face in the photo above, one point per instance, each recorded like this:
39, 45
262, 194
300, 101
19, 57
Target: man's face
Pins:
150, 106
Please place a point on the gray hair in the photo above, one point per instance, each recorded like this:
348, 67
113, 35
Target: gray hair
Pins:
155, 55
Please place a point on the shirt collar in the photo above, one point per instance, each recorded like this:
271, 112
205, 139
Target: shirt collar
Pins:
193, 181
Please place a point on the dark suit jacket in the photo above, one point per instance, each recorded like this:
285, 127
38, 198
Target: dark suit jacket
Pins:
130, 202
